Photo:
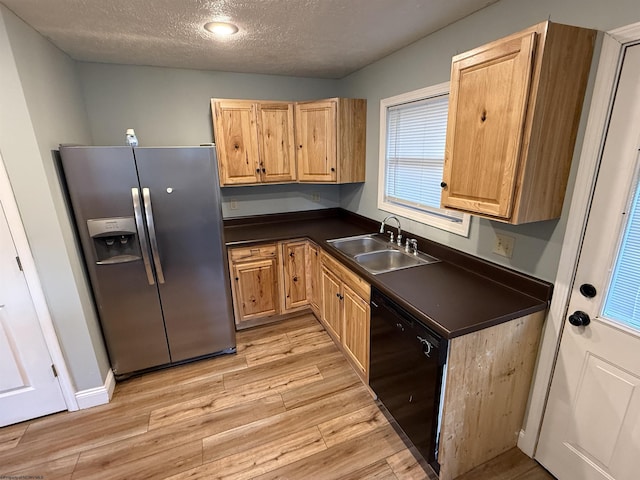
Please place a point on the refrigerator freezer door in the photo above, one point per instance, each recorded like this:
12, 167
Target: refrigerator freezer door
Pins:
183, 188
100, 182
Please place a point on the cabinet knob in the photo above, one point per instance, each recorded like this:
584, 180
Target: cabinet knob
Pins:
295, 279
333, 169
291, 254
443, 184
264, 170
257, 170
299, 146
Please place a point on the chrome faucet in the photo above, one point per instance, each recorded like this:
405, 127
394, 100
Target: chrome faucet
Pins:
382, 225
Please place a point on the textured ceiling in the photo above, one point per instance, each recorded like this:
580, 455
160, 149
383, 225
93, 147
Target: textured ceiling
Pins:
309, 38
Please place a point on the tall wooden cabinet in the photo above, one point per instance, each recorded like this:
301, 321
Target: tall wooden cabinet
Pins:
320, 141
514, 110
254, 141
331, 140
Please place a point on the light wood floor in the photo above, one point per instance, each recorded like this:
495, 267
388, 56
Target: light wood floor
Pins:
286, 406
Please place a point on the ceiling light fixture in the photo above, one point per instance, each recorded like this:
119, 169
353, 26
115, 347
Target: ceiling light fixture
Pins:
221, 28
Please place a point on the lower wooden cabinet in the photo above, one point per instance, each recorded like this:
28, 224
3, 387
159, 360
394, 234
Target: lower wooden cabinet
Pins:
346, 312
294, 275
268, 280
254, 282
331, 314
314, 278
272, 280
355, 329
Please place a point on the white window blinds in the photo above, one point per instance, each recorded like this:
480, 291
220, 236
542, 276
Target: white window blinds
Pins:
623, 297
416, 133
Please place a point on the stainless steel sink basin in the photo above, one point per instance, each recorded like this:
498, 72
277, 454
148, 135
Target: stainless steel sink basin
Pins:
387, 260
353, 246
378, 255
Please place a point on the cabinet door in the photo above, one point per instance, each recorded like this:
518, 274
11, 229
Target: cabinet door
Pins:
255, 288
355, 329
314, 277
236, 135
487, 108
276, 140
316, 136
331, 303
294, 274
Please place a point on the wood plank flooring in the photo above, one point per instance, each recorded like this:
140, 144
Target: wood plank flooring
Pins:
286, 406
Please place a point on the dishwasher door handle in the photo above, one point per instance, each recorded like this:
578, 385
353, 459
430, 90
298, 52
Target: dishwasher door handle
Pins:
426, 346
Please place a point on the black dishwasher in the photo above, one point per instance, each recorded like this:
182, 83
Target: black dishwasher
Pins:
407, 363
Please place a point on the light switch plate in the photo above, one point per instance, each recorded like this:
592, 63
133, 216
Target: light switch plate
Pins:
503, 245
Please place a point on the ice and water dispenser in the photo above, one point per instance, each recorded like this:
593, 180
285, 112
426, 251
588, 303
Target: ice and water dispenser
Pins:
114, 239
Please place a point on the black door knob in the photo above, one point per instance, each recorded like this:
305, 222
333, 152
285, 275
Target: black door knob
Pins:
579, 319
588, 290
443, 184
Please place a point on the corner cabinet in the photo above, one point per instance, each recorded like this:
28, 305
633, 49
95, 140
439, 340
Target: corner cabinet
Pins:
514, 110
254, 141
294, 275
268, 281
331, 140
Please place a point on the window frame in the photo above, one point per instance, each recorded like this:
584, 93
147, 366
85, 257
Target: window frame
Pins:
436, 218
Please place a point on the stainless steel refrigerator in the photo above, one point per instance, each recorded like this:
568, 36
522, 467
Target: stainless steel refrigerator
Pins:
150, 225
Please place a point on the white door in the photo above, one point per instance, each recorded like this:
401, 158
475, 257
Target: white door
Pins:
591, 427
28, 386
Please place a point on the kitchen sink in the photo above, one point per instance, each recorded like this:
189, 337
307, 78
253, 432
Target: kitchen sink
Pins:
353, 246
377, 255
387, 260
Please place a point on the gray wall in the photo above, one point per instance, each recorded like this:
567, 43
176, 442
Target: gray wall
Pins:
428, 62
41, 105
170, 106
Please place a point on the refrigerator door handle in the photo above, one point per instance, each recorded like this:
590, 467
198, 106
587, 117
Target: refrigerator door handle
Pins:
142, 236
146, 196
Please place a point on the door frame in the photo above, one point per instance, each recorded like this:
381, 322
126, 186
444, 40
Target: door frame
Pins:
614, 44
8, 202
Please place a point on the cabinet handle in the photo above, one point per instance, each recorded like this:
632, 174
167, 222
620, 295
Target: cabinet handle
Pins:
291, 254
443, 184
264, 170
257, 170
295, 279
333, 169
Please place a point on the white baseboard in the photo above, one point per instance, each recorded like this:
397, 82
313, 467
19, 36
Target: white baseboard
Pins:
93, 397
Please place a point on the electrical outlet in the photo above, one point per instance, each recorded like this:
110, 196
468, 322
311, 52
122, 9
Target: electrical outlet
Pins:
233, 204
503, 245
315, 196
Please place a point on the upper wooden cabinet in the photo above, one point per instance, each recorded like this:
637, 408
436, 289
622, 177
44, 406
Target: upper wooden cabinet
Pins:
254, 141
331, 140
265, 142
514, 110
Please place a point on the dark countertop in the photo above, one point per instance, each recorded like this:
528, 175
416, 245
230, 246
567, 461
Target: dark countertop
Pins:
458, 295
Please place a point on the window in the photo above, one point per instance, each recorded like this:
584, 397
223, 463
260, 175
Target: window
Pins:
413, 129
622, 303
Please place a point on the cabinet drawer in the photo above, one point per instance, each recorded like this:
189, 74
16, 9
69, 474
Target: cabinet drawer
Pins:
357, 284
253, 253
